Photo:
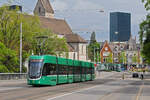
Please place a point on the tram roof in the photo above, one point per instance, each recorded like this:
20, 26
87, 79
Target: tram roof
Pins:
61, 61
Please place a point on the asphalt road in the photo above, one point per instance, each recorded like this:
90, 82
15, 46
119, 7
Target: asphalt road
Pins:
111, 87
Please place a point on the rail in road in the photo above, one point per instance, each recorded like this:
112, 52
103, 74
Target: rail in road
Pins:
113, 88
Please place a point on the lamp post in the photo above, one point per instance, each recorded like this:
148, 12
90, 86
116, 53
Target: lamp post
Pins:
20, 47
21, 41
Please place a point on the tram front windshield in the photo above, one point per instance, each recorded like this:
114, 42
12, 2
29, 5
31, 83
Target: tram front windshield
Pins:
35, 68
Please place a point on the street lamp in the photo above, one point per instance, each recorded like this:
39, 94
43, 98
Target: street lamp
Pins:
116, 33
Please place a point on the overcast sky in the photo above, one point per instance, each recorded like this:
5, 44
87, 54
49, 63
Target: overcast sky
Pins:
83, 16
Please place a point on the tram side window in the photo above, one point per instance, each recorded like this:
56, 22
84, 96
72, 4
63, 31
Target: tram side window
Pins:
85, 70
82, 69
78, 70
88, 70
63, 70
49, 69
75, 70
92, 70
70, 69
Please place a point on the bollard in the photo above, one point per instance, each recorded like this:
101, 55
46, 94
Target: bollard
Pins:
123, 76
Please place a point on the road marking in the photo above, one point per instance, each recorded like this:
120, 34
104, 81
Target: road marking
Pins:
9, 88
105, 97
79, 90
139, 92
73, 92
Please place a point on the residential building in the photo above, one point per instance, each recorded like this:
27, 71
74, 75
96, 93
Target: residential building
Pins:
120, 26
78, 44
117, 49
105, 53
130, 51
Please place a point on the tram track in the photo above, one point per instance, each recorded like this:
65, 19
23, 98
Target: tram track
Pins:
105, 89
34, 93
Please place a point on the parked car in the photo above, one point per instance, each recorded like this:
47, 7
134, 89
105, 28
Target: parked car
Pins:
135, 75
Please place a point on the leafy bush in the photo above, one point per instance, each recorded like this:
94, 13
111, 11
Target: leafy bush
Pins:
3, 69
8, 59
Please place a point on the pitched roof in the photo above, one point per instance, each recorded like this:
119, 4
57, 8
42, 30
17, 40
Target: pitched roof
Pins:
71, 49
131, 40
57, 26
46, 4
74, 38
106, 44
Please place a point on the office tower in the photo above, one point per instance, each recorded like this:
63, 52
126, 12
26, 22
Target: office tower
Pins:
120, 26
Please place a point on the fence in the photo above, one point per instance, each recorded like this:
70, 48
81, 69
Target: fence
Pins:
12, 76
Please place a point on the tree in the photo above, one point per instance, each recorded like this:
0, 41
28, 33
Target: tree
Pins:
10, 36
109, 59
10, 29
122, 57
93, 38
147, 4
53, 45
10, 32
144, 33
94, 49
135, 59
8, 59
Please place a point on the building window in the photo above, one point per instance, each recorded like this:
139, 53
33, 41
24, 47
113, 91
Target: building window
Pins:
82, 48
39, 9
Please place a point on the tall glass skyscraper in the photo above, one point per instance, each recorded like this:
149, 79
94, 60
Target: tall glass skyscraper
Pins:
120, 26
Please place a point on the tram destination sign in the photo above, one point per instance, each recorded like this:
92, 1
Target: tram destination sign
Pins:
36, 60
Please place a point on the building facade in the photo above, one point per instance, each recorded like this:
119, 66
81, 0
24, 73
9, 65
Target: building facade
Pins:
117, 49
120, 26
106, 53
126, 52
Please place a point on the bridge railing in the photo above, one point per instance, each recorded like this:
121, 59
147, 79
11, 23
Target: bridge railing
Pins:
12, 76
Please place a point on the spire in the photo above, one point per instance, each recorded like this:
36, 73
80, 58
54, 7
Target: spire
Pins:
47, 6
44, 8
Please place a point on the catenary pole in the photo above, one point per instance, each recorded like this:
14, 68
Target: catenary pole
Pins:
21, 41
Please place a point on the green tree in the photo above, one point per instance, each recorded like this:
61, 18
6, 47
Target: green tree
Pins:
144, 33
93, 38
135, 59
54, 45
8, 59
147, 4
122, 57
10, 36
109, 58
3, 69
10, 29
94, 49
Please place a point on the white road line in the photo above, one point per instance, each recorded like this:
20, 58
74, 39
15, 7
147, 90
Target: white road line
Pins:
73, 92
9, 88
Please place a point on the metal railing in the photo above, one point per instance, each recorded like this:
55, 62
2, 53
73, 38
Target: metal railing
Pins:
12, 76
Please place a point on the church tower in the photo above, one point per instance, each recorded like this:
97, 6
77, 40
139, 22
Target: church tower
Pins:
44, 8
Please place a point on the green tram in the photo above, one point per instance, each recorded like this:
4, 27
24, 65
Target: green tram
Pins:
52, 70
